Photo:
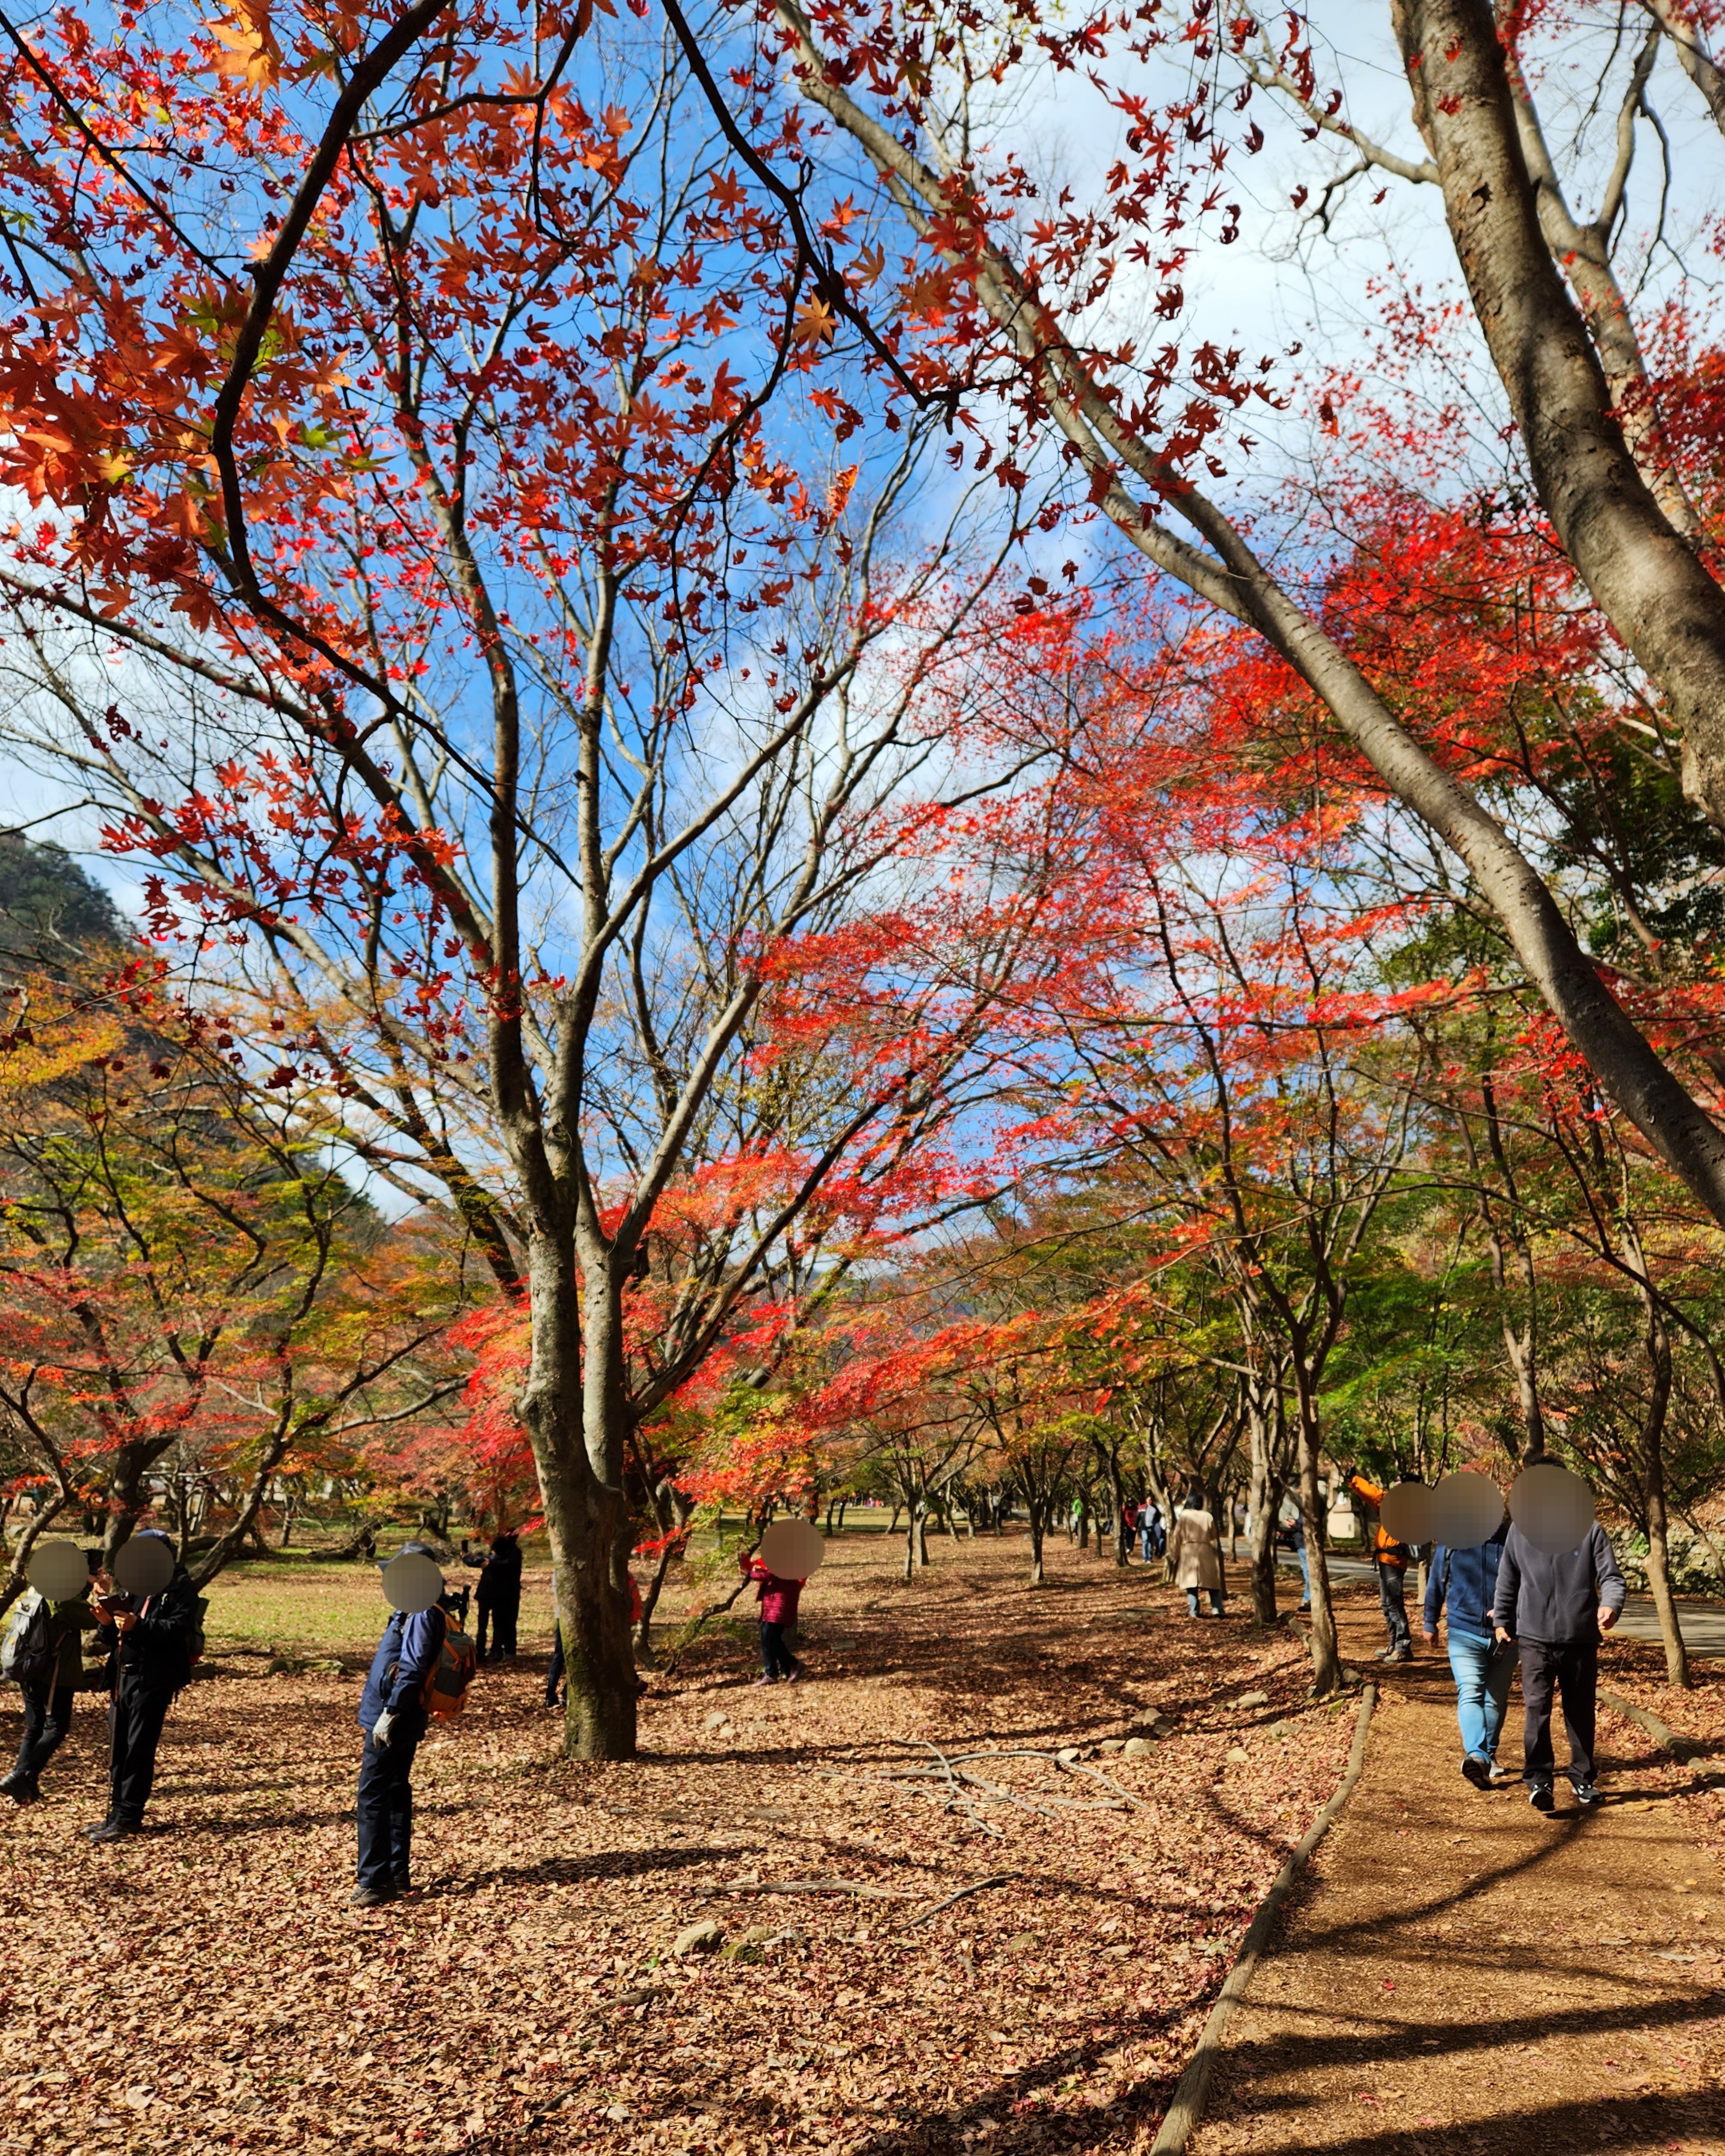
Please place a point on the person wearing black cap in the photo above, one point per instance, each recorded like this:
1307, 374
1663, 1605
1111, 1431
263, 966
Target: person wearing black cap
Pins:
391, 1713
151, 1638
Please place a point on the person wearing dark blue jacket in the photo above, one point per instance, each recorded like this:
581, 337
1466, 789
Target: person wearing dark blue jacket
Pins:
1462, 1583
392, 1712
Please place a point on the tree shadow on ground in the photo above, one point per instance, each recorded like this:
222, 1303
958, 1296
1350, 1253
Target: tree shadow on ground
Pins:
568, 1870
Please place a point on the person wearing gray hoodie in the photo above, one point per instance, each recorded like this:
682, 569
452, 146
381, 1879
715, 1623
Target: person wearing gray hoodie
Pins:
1558, 1609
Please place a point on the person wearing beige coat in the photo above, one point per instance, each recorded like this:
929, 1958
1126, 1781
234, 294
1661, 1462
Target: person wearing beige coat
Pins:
1193, 1553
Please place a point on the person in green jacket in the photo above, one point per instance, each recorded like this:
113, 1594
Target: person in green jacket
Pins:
48, 1702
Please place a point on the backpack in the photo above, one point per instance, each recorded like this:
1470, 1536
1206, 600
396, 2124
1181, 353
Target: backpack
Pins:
444, 1693
31, 1653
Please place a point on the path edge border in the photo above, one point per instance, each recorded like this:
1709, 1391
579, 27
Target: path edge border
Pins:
1193, 2089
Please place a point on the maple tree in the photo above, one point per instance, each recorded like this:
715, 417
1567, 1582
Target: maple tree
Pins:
1012, 291
511, 697
193, 1296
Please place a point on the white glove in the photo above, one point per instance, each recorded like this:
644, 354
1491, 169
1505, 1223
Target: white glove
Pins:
380, 1728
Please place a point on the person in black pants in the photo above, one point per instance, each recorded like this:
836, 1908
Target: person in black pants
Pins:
500, 1594
48, 1702
1558, 1609
151, 1663
392, 1712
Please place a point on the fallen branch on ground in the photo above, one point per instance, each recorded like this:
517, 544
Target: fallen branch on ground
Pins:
1683, 1749
976, 1886
856, 1886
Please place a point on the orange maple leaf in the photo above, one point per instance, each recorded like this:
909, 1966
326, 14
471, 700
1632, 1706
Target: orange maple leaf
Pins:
814, 323
253, 55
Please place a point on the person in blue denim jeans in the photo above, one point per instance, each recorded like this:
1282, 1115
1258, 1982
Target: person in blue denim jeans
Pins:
1463, 1582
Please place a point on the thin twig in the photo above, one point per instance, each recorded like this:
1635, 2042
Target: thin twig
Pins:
976, 1886
817, 1886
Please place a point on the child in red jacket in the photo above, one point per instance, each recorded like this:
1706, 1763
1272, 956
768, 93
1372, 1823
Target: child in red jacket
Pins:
778, 1598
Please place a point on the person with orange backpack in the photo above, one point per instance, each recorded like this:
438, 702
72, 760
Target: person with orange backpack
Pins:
423, 1666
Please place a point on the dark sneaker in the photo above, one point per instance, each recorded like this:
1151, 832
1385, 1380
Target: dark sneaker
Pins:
1477, 1767
372, 1897
20, 1789
1540, 1797
1586, 1794
115, 1830
95, 1827
1500, 1775
401, 1883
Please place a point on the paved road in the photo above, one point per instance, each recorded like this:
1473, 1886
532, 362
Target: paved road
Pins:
1703, 1623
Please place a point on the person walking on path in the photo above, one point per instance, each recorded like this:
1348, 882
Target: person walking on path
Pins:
1152, 1540
151, 1662
394, 1716
1291, 1536
1390, 1558
47, 1698
498, 1595
1557, 1609
1461, 1586
1193, 1553
778, 1599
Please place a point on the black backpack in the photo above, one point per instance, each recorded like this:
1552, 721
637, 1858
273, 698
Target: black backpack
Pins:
31, 1652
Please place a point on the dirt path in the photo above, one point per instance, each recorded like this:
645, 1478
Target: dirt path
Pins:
1462, 1974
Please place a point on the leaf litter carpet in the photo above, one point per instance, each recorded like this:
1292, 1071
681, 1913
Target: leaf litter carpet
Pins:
205, 1987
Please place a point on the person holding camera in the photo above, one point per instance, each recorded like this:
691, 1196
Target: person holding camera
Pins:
151, 1647
394, 1717
50, 1691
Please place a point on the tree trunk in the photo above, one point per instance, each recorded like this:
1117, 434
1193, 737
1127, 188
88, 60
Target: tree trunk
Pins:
1117, 1494
245, 1522
1693, 57
1326, 1662
1657, 1346
575, 1412
1037, 1526
127, 1496
1650, 585
921, 1518
1264, 1503
16, 1571
1659, 1586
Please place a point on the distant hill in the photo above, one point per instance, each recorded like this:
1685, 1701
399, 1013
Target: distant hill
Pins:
50, 911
